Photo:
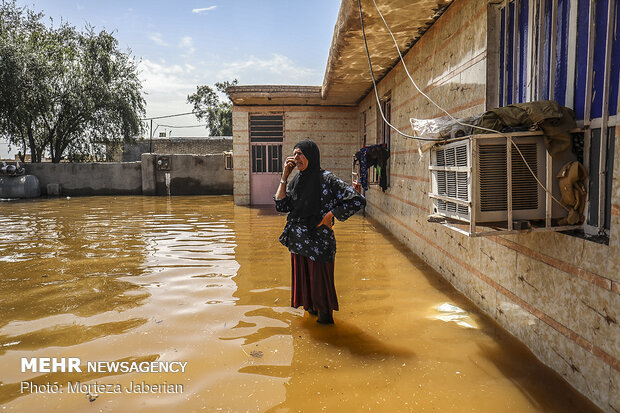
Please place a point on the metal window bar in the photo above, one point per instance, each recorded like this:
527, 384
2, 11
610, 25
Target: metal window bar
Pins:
515, 51
531, 62
572, 53
504, 67
259, 158
604, 127
587, 135
542, 59
540, 41
274, 157
509, 180
597, 131
552, 47
589, 72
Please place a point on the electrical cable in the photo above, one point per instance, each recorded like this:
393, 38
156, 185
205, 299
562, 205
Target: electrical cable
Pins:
169, 116
434, 103
374, 84
186, 126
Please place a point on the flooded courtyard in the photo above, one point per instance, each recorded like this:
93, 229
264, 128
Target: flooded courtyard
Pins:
198, 280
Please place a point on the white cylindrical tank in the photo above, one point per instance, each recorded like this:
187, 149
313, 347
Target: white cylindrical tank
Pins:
24, 186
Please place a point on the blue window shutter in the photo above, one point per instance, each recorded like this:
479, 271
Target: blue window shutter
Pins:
611, 132
522, 48
595, 147
561, 57
511, 57
600, 33
615, 64
502, 47
546, 69
581, 63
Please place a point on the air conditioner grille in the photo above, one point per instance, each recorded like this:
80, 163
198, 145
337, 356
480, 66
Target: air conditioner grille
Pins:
461, 155
461, 179
450, 156
439, 158
493, 178
524, 185
452, 184
451, 178
441, 182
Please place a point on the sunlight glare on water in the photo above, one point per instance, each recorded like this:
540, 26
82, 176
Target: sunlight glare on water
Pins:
201, 280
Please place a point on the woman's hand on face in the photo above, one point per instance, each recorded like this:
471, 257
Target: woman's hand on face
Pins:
327, 220
289, 165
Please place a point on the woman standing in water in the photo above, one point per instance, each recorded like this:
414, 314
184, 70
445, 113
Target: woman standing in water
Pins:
313, 198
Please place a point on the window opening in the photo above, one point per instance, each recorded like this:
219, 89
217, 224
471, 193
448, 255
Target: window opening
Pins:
567, 51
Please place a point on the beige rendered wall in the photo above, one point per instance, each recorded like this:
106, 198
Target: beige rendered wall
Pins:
558, 294
334, 129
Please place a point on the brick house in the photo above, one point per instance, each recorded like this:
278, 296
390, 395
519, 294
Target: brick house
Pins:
558, 293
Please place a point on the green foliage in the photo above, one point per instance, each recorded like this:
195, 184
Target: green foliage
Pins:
208, 107
68, 92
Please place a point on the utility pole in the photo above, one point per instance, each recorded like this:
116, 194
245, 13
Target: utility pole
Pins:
151, 138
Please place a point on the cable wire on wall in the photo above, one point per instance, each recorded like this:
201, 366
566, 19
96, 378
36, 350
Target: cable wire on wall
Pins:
374, 83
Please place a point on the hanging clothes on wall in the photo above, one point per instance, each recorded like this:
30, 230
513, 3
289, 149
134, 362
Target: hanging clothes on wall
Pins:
360, 156
377, 156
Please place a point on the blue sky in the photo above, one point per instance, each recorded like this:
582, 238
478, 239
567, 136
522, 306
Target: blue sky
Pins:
181, 44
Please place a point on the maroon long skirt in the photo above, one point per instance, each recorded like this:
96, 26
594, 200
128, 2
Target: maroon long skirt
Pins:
313, 284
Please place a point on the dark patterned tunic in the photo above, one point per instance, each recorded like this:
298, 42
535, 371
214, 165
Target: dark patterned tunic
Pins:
319, 244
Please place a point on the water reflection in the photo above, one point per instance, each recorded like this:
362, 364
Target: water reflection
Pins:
63, 256
66, 335
201, 280
450, 313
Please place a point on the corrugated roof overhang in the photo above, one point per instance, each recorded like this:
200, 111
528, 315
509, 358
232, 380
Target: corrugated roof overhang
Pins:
347, 77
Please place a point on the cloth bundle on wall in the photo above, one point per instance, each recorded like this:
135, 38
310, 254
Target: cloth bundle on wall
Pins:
572, 178
374, 155
554, 120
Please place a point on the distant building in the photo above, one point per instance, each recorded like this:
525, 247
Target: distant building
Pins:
6, 153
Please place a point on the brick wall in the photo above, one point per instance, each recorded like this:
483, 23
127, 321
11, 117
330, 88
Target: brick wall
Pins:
558, 294
180, 146
334, 129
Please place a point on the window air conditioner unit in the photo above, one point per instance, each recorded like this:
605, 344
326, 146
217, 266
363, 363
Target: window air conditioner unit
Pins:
470, 179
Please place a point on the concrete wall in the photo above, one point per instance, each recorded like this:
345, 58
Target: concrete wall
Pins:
558, 294
189, 175
89, 178
133, 152
334, 129
188, 146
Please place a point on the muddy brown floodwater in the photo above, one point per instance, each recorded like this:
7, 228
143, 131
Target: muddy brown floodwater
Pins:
199, 280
